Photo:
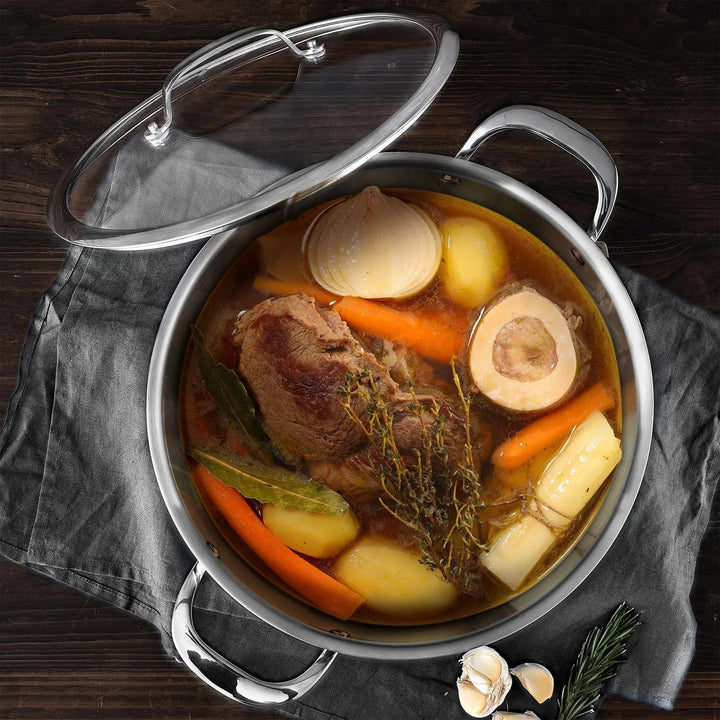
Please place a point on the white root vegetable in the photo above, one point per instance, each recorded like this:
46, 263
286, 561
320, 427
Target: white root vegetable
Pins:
578, 470
281, 252
517, 550
565, 487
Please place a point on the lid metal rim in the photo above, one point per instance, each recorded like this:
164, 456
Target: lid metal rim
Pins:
64, 224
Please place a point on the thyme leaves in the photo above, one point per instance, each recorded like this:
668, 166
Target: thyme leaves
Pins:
437, 496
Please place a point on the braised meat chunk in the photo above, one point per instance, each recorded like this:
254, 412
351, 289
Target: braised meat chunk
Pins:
294, 357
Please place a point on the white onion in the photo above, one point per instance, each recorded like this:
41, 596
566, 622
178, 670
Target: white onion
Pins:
373, 245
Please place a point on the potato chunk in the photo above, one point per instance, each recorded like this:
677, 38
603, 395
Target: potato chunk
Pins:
392, 580
314, 534
474, 261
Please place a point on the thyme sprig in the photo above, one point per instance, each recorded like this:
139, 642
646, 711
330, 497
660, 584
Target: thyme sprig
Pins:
440, 503
600, 656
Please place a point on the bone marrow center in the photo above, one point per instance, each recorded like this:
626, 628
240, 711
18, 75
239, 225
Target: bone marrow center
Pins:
524, 350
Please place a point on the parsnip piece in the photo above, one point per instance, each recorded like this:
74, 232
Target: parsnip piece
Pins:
517, 549
565, 487
392, 580
578, 470
314, 534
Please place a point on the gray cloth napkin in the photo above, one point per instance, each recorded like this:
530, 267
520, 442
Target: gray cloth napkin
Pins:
79, 502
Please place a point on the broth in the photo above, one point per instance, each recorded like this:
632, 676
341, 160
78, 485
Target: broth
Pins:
503, 493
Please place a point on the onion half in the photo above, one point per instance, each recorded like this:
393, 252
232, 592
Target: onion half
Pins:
373, 245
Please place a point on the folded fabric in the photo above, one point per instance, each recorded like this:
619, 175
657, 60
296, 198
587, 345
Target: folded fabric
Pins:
79, 502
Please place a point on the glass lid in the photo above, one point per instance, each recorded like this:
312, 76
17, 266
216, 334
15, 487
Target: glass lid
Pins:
255, 119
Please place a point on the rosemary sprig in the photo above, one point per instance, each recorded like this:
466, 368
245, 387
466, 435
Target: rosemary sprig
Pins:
598, 661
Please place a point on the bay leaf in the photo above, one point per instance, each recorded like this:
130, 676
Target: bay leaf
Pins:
271, 484
232, 397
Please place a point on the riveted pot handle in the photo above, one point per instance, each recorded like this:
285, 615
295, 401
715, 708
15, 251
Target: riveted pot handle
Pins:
566, 135
222, 675
214, 55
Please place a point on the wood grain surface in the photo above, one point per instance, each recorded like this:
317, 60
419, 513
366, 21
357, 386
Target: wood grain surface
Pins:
642, 76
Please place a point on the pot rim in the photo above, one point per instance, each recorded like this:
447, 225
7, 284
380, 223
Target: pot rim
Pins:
372, 649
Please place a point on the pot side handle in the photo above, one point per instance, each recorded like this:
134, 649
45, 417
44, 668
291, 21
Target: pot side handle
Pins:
222, 675
567, 135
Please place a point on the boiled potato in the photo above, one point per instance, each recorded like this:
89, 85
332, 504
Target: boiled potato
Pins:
392, 580
474, 261
314, 534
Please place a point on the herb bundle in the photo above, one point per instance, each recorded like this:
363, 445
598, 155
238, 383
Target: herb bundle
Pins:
439, 502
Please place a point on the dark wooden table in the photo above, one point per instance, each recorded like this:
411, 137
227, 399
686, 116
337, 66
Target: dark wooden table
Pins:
642, 76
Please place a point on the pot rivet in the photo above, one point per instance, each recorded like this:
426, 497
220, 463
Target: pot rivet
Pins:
451, 179
576, 254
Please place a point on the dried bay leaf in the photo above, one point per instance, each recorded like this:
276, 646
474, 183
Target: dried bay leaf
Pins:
284, 488
231, 396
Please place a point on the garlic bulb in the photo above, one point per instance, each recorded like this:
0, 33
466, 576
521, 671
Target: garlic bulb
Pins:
373, 245
536, 679
504, 715
484, 681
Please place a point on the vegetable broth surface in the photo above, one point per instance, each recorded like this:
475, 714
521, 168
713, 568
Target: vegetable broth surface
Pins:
531, 263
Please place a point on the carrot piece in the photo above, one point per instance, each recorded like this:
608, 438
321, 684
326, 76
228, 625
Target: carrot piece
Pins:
271, 286
430, 337
518, 449
454, 317
322, 590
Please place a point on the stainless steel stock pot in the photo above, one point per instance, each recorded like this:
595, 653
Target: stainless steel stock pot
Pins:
312, 109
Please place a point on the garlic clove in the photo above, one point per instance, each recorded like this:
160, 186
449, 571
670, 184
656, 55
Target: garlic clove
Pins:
373, 245
536, 679
505, 715
488, 672
473, 701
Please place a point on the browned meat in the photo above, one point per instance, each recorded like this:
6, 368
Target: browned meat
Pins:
353, 477
294, 357
408, 433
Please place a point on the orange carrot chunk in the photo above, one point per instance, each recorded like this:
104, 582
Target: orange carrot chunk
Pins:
430, 337
322, 590
526, 443
271, 286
